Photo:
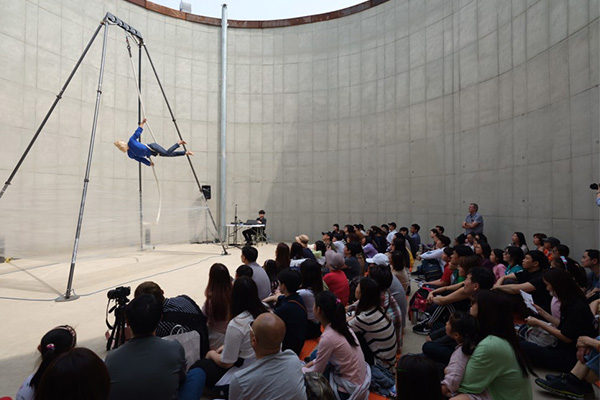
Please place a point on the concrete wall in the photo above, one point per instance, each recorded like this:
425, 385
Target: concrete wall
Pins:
407, 111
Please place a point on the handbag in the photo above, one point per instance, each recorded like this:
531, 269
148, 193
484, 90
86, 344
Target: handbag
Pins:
537, 335
190, 341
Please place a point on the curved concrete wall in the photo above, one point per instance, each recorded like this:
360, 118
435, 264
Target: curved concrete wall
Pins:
406, 111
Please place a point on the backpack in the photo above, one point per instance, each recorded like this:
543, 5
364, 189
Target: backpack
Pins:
431, 269
418, 304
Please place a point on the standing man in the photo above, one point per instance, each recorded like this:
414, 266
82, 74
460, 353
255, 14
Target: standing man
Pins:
254, 231
473, 221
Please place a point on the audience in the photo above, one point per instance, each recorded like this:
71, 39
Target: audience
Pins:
373, 328
57, 341
518, 239
217, 303
282, 256
336, 279
417, 378
276, 374
147, 366
291, 309
350, 375
259, 276
312, 284
236, 353
74, 375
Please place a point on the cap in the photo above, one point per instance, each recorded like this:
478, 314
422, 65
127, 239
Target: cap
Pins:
379, 259
334, 260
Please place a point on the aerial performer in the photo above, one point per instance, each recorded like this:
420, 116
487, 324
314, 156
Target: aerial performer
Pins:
142, 152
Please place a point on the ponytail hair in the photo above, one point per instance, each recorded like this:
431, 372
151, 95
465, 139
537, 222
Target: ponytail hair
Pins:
57, 341
335, 314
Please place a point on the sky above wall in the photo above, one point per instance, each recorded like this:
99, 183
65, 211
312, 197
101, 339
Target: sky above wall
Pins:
261, 9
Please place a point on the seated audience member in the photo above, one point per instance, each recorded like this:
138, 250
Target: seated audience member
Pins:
561, 250
578, 382
576, 320
368, 248
180, 310
382, 274
414, 234
338, 242
529, 280
400, 244
336, 279
236, 352
538, 241
373, 328
270, 267
319, 252
55, 342
74, 375
462, 328
218, 301
400, 268
312, 284
259, 276
396, 289
449, 269
282, 256
442, 306
275, 374
147, 366
350, 376
244, 270
513, 257
484, 251
441, 346
391, 232
497, 364
518, 239
413, 247
297, 256
291, 309
435, 256
417, 378
378, 237
497, 257
351, 264
549, 243
591, 260
306, 252
574, 270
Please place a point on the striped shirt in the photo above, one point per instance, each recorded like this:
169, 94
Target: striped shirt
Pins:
379, 334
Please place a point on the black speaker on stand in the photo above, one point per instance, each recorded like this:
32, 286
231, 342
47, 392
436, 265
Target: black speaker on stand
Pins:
206, 191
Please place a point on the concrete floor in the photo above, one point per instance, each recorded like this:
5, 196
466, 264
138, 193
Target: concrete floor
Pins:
28, 289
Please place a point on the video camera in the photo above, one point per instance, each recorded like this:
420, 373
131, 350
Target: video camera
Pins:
119, 293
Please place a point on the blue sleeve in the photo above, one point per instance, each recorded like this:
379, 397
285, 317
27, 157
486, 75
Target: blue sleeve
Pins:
137, 133
598, 201
143, 160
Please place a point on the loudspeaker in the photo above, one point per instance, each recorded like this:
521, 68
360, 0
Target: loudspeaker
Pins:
206, 191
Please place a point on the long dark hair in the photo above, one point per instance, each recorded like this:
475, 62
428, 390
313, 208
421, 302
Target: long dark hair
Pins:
516, 255
282, 256
398, 260
311, 276
575, 270
465, 325
417, 377
494, 314
218, 293
498, 253
270, 267
565, 288
244, 297
521, 238
296, 251
370, 296
335, 314
53, 343
76, 374
486, 249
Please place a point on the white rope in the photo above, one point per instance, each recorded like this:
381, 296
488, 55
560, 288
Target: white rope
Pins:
149, 129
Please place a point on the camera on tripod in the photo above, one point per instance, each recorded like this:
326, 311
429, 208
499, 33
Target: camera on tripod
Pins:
120, 294
117, 335
594, 186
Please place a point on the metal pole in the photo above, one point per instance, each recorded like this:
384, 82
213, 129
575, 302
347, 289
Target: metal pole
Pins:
223, 138
58, 97
181, 138
140, 139
67, 296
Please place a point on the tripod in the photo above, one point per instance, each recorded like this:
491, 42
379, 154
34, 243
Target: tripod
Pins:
108, 20
117, 334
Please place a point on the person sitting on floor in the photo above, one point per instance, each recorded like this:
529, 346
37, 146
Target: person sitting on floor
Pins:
263, 379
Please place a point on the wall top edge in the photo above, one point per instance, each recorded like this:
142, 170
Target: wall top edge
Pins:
277, 23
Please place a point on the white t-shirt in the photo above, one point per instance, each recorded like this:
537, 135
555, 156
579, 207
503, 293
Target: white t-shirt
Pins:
236, 345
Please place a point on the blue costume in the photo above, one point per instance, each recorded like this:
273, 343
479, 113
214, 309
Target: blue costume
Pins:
141, 152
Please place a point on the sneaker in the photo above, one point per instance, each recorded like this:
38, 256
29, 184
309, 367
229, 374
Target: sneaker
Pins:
551, 377
422, 329
564, 388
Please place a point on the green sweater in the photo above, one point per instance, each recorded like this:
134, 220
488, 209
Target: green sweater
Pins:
493, 366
